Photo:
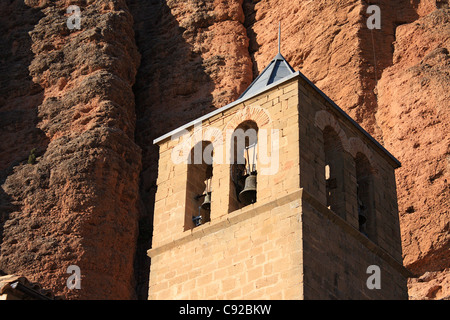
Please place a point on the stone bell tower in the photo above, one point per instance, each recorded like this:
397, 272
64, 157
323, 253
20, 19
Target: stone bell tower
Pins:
278, 195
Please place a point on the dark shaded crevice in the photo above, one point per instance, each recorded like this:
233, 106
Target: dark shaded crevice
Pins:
172, 88
20, 98
377, 50
248, 7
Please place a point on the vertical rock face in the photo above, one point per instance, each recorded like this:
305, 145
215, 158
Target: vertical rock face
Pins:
76, 205
413, 114
68, 95
330, 43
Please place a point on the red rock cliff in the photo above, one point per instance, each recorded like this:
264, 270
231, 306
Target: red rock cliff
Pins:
70, 97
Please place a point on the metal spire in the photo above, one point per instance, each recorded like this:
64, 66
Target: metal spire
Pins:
277, 70
279, 37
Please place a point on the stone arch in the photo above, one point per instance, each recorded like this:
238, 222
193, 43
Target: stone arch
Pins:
365, 196
324, 119
246, 132
189, 138
198, 183
254, 113
357, 145
334, 171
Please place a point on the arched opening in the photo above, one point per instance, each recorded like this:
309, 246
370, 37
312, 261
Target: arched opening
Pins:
198, 190
365, 196
243, 165
334, 171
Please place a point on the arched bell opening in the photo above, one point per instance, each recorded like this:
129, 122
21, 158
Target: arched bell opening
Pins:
243, 165
334, 171
365, 196
199, 185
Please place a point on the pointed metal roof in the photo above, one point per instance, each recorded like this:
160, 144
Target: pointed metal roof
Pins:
277, 70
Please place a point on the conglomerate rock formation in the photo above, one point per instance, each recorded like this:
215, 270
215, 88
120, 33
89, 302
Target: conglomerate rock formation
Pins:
68, 94
91, 101
413, 114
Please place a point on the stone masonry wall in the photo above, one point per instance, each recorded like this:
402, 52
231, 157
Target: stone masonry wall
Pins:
336, 257
315, 115
245, 254
276, 109
253, 253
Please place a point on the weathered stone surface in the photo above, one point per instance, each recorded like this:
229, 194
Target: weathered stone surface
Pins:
430, 286
77, 204
329, 42
413, 114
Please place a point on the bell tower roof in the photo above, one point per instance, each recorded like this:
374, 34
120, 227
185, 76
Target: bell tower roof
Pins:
277, 70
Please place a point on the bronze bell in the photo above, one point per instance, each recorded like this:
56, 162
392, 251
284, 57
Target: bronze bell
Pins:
248, 195
206, 205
